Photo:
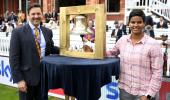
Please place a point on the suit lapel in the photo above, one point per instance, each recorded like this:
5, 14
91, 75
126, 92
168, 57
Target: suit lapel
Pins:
29, 34
44, 33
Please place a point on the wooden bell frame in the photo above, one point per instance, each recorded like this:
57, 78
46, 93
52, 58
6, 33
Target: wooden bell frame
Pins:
100, 26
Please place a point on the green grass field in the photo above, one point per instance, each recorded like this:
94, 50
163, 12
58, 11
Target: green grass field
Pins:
11, 93
8, 93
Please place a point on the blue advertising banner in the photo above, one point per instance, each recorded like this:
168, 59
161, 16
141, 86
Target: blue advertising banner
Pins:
5, 72
108, 92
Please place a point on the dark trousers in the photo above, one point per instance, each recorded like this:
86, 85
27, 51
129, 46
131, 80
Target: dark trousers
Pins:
33, 93
126, 96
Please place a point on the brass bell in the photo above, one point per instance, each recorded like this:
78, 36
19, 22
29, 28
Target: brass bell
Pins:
80, 25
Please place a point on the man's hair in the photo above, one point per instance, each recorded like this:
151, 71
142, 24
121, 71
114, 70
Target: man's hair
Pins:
34, 5
137, 12
149, 21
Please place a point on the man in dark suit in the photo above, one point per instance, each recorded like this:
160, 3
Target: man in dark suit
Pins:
162, 23
12, 17
122, 27
117, 32
47, 16
54, 15
26, 52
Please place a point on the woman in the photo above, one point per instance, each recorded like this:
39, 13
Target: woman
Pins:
141, 61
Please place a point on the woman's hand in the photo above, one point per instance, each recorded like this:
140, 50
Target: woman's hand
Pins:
143, 98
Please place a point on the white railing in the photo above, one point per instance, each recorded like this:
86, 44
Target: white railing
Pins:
76, 41
56, 37
4, 44
159, 32
137, 4
161, 9
5, 41
157, 7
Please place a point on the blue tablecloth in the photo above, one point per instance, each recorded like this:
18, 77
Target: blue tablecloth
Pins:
79, 77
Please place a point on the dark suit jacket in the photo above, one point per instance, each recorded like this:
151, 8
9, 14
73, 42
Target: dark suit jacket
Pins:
12, 17
119, 34
23, 56
54, 15
124, 29
47, 17
164, 25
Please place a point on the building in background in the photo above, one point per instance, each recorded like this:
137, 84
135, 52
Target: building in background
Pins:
115, 8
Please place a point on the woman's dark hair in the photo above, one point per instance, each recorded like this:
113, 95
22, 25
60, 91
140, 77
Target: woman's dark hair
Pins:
34, 5
137, 12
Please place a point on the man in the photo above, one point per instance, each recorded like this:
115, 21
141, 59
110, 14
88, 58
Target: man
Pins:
47, 16
149, 26
12, 18
123, 27
54, 15
162, 23
26, 52
117, 32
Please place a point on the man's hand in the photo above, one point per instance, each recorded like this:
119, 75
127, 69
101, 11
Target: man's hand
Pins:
22, 86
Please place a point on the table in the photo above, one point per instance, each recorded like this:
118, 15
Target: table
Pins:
79, 77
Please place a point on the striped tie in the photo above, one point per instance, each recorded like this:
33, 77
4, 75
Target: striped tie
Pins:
37, 41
